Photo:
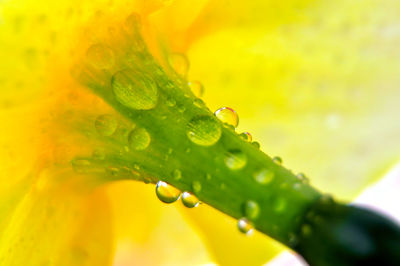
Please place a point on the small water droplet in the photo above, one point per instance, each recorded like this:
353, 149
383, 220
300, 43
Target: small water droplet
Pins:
277, 160
177, 174
235, 159
135, 90
179, 63
228, 116
264, 176
139, 139
326, 199
99, 154
133, 21
256, 144
246, 136
197, 88
170, 102
190, 200
204, 130
199, 103
196, 186
303, 178
106, 125
279, 204
80, 165
167, 193
113, 171
100, 56
251, 209
245, 226
293, 240
181, 108
306, 230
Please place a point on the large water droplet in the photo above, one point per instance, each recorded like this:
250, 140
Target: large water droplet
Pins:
228, 116
197, 88
264, 176
135, 90
246, 136
190, 200
106, 125
179, 63
204, 130
196, 186
251, 209
167, 193
100, 56
139, 139
235, 159
245, 226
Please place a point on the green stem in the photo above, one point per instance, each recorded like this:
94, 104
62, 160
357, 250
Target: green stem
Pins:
222, 169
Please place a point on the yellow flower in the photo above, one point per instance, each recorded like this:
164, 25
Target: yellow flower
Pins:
314, 82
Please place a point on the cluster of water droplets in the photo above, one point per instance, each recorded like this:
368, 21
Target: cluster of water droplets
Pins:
169, 194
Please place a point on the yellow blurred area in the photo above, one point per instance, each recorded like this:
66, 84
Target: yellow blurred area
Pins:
315, 82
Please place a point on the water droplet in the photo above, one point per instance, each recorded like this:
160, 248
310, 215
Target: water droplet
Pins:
251, 209
235, 159
170, 102
177, 174
204, 130
279, 204
264, 176
306, 230
292, 239
179, 63
246, 136
139, 139
227, 115
303, 178
277, 160
135, 90
106, 125
199, 103
133, 21
245, 226
113, 171
181, 108
197, 88
196, 186
167, 193
80, 165
326, 199
190, 200
99, 154
100, 56
256, 144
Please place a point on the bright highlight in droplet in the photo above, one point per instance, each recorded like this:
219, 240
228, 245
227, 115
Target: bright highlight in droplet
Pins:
228, 116
245, 226
167, 193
